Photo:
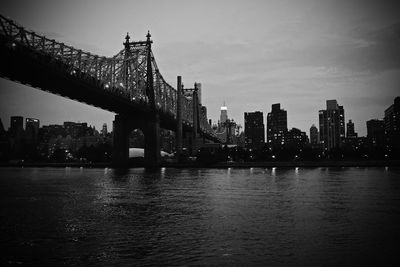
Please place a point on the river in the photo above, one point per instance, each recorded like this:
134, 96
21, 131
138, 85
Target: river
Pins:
167, 216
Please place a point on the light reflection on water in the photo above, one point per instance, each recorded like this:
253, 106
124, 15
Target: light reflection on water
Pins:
277, 216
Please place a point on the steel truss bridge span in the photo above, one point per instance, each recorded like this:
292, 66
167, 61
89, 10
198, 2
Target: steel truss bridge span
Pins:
126, 83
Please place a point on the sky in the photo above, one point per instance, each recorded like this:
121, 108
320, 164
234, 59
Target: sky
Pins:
247, 54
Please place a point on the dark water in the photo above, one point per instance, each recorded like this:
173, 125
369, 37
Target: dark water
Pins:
317, 216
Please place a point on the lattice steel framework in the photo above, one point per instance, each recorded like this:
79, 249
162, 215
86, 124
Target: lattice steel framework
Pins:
126, 74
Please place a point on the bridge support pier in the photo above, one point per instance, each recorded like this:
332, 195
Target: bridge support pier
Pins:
152, 148
123, 126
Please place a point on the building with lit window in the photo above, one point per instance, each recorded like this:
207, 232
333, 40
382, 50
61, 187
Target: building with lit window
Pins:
296, 140
314, 136
350, 133
392, 124
276, 127
331, 126
32, 130
254, 130
376, 133
16, 126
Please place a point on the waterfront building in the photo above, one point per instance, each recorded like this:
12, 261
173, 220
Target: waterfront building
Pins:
314, 136
376, 133
2, 130
32, 130
77, 129
296, 140
16, 126
276, 127
46, 132
331, 126
254, 130
350, 133
392, 124
16, 135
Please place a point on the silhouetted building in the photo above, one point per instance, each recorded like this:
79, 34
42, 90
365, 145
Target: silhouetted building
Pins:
314, 136
254, 130
46, 132
77, 129
16, 134
376, 133
276, 126
230, 126
32, 130
356, 147
69, 127
225, 129
296, 140
224, 114
2, 130
392, 124
350, 130
16, 126
4, 144
331, 126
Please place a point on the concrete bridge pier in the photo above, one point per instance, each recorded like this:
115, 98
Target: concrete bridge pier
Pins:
150, 127
152, 148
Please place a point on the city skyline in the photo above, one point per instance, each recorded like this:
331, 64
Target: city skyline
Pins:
257, 54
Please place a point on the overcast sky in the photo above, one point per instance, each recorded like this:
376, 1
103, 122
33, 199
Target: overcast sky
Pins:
249, 54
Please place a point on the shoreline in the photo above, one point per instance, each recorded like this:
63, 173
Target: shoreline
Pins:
287, 164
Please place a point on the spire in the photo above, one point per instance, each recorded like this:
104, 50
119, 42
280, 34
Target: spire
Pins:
148, 36
126, 44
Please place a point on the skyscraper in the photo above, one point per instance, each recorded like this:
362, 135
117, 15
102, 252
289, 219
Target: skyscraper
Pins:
2, 130
350, 130
224, 114
314, 137
254, 130
392, 124
16, 132
276, 126
16, 126
331, 126
75, 129
32, 130
376, 133
296, 139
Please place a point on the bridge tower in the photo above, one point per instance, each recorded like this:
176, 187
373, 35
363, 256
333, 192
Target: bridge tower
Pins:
150, 124
179, 118
195, 129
